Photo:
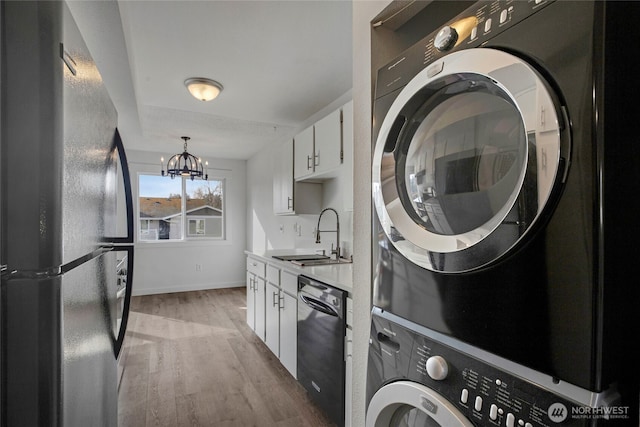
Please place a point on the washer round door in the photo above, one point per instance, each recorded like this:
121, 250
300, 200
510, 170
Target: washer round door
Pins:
466, 160
408, 404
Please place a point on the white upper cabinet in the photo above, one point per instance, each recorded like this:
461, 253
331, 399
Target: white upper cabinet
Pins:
291, 197
303, 154
347, 155
318, 149
328, 143
283, 179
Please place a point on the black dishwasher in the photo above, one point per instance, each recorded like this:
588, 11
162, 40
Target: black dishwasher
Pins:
321, 335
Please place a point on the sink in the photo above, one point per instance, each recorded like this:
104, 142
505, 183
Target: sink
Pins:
323, 261
301, 257
308, 260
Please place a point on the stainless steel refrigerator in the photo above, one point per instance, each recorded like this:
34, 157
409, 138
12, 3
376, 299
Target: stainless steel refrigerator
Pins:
62, 166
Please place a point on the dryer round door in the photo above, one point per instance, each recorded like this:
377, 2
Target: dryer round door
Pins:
408, 404
466, 160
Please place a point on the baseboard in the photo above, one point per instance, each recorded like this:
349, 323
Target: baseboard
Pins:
187, 288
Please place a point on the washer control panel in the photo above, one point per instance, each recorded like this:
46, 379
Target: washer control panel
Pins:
473, 27
485, 393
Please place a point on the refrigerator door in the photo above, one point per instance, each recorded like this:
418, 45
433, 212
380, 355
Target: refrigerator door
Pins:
59, 291
90, 120
89, 370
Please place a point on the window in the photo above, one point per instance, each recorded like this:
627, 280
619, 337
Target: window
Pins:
179, 209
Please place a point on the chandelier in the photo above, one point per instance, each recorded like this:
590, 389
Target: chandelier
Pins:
184, 164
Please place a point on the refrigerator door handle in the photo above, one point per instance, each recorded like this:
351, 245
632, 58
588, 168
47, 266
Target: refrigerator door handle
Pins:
124, 243
117, 345
126, 177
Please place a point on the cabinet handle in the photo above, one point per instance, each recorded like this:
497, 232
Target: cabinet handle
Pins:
289, 203
275, 301
309, 165
317, 159
281, 305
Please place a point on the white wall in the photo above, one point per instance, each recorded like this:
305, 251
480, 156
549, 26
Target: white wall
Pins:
363, 14
266, 231
161, 267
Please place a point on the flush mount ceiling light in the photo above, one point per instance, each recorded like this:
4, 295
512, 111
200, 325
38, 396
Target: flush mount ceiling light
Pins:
184, 164
203, 89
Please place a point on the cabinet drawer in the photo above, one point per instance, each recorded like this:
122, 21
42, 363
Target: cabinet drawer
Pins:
273, 275
256, 267
289, 282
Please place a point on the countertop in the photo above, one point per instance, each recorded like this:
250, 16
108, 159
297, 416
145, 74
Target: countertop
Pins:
337, 275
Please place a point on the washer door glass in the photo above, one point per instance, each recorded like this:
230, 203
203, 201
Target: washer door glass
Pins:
409, 416
405, 403
466, 159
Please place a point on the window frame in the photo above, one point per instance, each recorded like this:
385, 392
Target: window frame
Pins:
185, 235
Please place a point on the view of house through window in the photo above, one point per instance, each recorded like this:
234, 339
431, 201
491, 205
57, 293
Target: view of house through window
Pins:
177, 209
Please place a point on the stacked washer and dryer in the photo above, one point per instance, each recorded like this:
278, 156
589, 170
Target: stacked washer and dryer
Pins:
504, 183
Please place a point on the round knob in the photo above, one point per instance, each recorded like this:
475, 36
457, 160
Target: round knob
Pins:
437, 368
446, 38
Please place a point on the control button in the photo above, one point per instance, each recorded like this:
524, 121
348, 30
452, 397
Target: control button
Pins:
437, 368
464, 396
493, 412
498, 382
511, 420
487, 25
478, 404
446, 38
520, 422
474, 33
528, 425
503, 16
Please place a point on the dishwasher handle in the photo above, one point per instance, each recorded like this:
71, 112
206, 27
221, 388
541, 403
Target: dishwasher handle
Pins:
319, 305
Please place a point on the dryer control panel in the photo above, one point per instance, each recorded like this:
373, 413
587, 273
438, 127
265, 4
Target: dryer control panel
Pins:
481, 389
471, 28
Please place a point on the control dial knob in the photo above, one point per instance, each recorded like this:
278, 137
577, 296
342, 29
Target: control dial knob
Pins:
437, 368
446, 38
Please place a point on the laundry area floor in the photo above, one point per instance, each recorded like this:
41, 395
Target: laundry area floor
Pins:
191, 360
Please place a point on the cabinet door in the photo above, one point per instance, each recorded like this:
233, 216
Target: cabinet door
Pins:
348, 377
260, 285
283, 179
251, 302
272, 326
328, 143
303, 153
288, 332
347, 155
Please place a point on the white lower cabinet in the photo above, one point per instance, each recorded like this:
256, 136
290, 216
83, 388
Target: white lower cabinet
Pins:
289, 324
272, 311
282, 316
348, 348
256, 288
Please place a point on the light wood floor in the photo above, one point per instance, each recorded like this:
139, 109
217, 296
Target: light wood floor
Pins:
191, 360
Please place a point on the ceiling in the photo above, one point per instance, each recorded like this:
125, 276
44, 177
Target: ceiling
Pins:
280, 62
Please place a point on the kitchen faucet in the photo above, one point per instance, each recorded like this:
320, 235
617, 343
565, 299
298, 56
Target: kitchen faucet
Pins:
337, 231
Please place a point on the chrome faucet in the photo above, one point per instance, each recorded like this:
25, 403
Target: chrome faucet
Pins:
335, 251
